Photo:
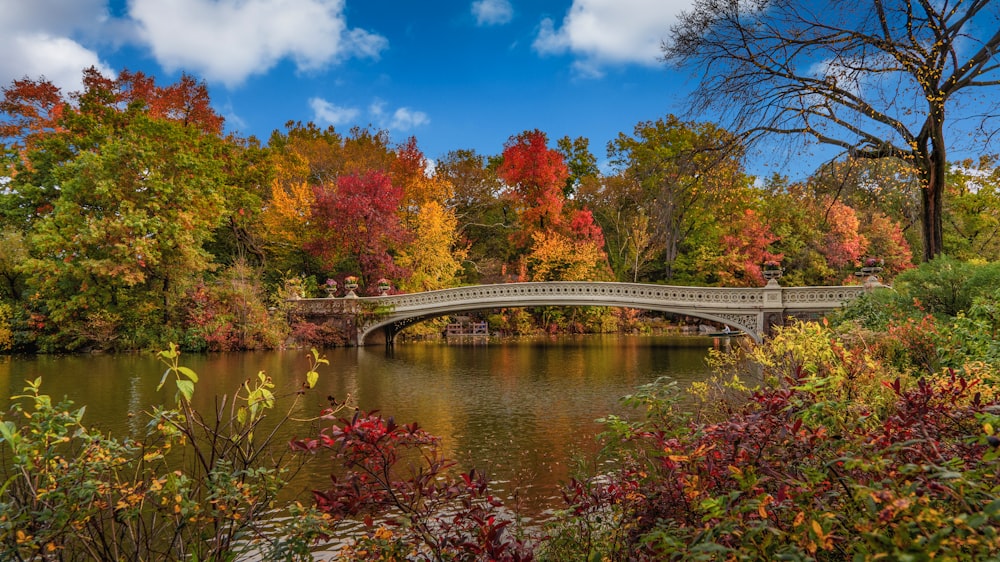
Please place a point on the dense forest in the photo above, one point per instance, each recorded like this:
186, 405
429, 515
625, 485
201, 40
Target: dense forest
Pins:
130, 219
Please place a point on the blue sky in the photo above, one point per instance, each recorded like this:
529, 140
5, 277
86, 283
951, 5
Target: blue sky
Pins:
456, 74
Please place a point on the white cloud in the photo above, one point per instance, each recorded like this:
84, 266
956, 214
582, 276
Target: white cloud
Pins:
57, 59
402, 119
230, 40
35, 38
405, 119
377, 109
603, 32
326, 112
56, 17
492, 12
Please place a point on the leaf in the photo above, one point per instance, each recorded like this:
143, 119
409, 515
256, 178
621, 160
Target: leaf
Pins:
7, 431
311, 378
186, 388
187, 372
164, 379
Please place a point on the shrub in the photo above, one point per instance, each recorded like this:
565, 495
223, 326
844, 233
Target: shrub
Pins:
192, 489
834, 457
947, 286
395, 474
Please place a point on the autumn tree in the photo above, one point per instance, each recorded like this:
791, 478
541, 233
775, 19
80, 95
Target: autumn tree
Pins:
747, 246
434, 256
681, 174
886, 242
357, 228
972, 210
484, 217
128, 228
116, 188
39, 132
887, 186
875, 79
554, 256
535, 175
843, 244
410, 171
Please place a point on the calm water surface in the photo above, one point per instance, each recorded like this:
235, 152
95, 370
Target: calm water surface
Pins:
521, 410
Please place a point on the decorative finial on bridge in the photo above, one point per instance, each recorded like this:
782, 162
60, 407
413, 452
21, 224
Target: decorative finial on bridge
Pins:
350, 283
869, 271
772, 271
383, 287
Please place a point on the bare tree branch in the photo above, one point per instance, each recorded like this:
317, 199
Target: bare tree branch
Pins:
875, 78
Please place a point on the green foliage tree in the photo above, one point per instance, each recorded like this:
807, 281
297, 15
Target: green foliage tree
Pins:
681, 174
484, 218
127, 230
972, 210
581, 162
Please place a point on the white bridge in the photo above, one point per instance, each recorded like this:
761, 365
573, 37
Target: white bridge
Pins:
373, 320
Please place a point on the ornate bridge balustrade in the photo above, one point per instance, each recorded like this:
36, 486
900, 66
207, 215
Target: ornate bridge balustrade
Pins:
752, 310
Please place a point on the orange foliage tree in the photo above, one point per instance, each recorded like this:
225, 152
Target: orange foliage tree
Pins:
537, 176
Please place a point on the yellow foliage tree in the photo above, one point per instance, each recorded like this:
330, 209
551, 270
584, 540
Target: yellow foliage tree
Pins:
556, 257
433, 257
286, 218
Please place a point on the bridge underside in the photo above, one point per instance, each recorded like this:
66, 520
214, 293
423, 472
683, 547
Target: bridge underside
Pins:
385, 330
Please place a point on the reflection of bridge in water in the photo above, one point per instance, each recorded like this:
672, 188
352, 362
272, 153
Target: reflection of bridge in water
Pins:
755, 311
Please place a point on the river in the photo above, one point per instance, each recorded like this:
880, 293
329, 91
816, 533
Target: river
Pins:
522, 410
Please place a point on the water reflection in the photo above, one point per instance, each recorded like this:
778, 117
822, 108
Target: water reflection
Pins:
520, 410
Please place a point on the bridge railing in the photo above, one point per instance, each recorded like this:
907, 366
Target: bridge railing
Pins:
598, 293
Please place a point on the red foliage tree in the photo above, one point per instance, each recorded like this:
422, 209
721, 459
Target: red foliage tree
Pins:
747, 248
357, 223
536, 175
29, 108
842, 244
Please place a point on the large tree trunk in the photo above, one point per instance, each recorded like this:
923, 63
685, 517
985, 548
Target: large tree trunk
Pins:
931, 195
933, 172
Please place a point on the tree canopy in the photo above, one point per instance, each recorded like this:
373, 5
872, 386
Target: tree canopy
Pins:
876, 79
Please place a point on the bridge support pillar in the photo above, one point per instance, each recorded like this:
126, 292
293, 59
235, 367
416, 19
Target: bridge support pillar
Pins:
772, 313
385, 335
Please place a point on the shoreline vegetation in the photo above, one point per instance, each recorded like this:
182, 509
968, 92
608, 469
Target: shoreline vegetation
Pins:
870, 434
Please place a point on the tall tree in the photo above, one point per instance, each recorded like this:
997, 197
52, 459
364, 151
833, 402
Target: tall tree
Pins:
581, 162
876, 79
410, 172
484, 216
684, 172
536, 175
357, 226
972, 204
433, 257
116, 188
128, 228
